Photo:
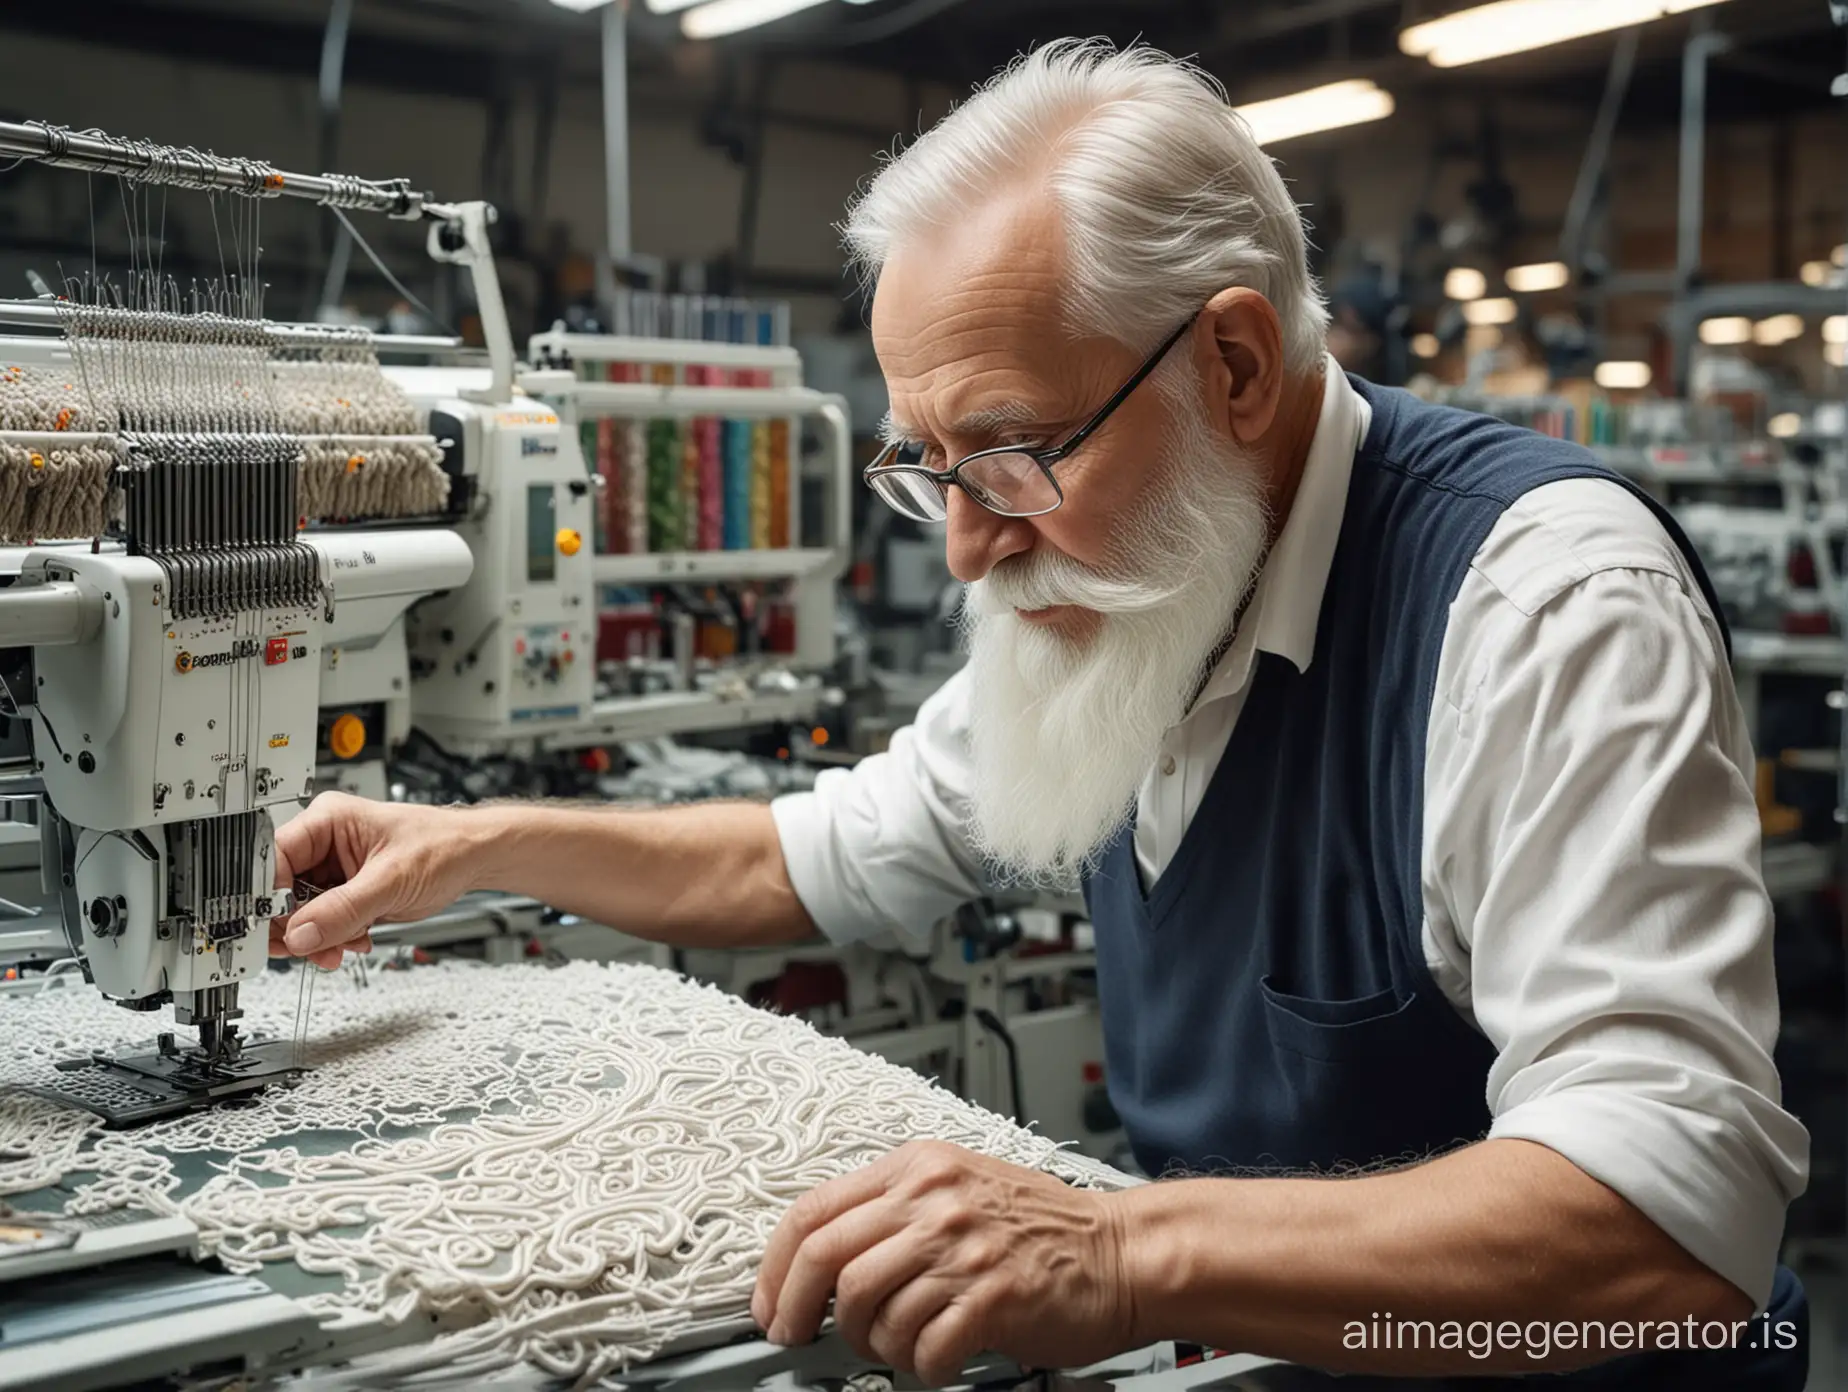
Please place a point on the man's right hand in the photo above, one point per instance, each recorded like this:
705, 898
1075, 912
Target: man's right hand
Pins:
364, 863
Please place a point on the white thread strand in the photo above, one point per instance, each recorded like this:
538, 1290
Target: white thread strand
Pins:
577, 1163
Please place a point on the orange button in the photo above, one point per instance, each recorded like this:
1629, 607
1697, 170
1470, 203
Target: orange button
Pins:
347, 737
569, 541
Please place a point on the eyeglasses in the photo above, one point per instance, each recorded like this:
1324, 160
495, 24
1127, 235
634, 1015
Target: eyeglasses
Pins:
1011, 481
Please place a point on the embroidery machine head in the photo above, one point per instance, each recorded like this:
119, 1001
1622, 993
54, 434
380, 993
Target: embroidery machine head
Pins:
173, 707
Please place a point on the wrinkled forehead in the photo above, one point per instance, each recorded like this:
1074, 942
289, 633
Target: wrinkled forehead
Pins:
970, 316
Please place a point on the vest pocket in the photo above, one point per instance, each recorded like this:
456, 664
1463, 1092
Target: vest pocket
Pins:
1338, 1030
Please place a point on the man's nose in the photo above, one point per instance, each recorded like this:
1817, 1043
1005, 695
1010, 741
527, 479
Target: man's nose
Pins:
980, 539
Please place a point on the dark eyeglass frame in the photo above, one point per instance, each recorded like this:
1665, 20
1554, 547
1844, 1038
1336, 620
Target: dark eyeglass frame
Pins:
1046, 457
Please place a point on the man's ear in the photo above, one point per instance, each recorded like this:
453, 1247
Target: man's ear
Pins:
1238, 348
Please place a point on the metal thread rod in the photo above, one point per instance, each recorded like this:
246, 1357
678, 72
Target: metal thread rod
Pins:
44, 314
174, 167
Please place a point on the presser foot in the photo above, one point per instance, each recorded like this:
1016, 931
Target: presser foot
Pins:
137, 1088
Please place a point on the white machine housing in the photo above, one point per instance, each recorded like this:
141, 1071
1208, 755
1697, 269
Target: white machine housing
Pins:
151, 732
365, 666
513, 657
370, 680
178, 718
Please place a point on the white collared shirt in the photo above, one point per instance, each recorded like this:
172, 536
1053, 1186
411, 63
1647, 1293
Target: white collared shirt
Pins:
1592, 892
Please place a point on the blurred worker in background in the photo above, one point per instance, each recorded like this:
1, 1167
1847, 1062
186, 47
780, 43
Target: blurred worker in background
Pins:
1366, 328
1396, 752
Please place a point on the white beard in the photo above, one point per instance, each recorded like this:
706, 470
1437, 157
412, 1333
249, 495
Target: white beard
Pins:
1064, 732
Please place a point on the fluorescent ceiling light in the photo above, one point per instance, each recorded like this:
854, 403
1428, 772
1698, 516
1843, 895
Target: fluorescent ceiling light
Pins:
1623, 376
1816, 272
1531, 280
722, 17
1490, 311
1304, 113
1425, 345
582, 5
1779, 328
1515, 26
1724, 333
1785, 426
1835, 329
1465, 283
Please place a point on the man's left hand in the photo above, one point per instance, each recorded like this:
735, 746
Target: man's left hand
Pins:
933, 1254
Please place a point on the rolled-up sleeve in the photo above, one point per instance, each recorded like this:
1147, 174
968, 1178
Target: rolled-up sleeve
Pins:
1593, 874
883, 849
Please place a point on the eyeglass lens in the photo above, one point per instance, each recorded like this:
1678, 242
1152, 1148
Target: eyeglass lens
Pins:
1014, 485
917, 496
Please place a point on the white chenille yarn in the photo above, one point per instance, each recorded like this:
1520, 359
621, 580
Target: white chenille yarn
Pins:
336, 388
575, 1162
34, 397
137, 371
53, 492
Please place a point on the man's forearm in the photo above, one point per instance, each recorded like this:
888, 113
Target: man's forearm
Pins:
710, 875
1501, 1231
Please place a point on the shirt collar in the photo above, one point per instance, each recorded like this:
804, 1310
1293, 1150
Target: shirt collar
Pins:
1287, 603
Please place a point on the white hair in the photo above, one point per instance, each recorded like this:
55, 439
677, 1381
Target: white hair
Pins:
1166, 197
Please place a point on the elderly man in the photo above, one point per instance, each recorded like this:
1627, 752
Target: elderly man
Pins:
1397, 754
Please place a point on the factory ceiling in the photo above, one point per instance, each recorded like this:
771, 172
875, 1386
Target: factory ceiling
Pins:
1787, 50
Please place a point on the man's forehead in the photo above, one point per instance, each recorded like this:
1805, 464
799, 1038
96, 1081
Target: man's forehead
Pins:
991, 417
968, 321
1001, 260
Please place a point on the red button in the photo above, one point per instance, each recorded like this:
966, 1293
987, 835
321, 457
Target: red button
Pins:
275, 651
1094, 1073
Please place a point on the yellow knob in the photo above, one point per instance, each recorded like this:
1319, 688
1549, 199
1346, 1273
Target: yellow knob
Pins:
347, 737
569, 541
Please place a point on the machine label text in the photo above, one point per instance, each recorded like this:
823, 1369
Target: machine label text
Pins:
239, 650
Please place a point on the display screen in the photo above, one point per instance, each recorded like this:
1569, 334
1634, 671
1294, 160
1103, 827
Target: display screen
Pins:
541, 533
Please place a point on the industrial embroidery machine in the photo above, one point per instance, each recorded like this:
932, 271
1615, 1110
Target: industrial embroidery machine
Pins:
169, 617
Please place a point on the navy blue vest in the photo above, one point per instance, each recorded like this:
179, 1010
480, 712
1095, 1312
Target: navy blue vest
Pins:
1267, 1007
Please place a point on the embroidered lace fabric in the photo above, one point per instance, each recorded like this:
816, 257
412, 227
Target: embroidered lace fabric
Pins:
573, 1164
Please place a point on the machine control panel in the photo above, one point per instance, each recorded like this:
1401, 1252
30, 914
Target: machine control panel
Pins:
514, 650
543, 656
